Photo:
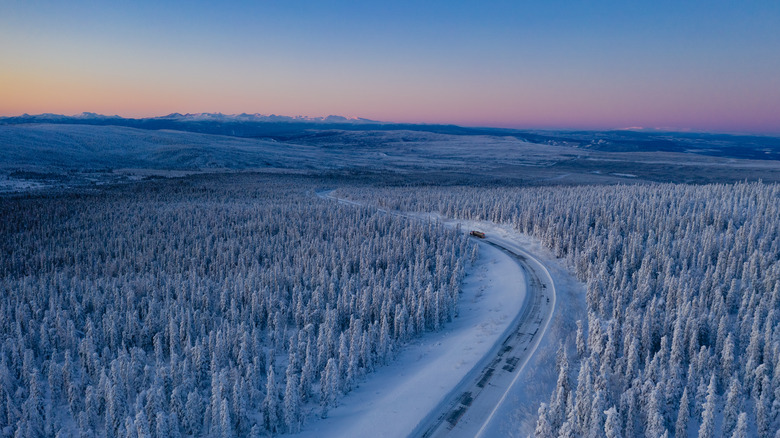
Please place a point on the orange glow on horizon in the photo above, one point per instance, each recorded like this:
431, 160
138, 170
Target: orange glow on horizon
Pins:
542, 106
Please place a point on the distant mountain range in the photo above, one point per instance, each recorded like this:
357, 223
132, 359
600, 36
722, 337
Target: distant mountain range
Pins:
87, 117
280, 128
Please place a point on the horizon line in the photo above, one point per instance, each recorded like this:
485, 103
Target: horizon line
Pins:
357, 120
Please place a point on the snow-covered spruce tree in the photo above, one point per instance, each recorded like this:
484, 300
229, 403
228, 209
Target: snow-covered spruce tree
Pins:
687, 277
612, 424
683, 415
707, 428
167, 306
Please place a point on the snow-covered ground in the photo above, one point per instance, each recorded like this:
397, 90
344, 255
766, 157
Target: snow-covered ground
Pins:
15, 185
397, 397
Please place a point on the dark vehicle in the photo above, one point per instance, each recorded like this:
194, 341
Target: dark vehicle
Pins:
479, 234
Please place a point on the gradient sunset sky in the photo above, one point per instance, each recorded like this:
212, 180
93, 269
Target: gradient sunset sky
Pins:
684, 65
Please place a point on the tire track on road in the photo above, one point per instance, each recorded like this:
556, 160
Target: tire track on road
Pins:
471, 407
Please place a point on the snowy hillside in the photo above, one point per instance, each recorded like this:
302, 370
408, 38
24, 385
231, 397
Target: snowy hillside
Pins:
293, 128
109, 147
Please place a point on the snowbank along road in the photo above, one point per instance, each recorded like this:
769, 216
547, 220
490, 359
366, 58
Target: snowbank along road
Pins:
471, 406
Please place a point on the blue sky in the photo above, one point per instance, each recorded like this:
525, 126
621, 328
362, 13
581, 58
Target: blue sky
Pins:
711, 66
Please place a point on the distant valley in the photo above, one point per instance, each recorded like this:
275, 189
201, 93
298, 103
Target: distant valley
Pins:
51, 151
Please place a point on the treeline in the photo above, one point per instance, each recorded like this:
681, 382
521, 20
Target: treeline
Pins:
206, 307
683, 293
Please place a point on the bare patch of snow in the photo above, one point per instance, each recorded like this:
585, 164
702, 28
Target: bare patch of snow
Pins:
17, 185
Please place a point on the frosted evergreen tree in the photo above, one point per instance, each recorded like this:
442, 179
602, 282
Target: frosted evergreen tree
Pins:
307, 374
239, 406
557, 406
727, 357
582, 399
292, 402
762, 407
174, 426
128, 429
597, 416
707, 428
612, 425
741, 430
161, 425
580, 340
683, 416
142, 425
225, 428
271, 403
329, 385
567, 429
732, 408
344, 361
385, 347
655, 419
193, 416
543, 427
33, 408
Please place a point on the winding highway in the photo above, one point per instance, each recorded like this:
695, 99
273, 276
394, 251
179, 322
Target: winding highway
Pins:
471, 406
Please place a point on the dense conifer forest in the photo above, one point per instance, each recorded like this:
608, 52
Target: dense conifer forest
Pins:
682, 336
206, 307
242, 305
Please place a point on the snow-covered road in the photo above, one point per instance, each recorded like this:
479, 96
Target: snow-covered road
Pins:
469, 409
451, 383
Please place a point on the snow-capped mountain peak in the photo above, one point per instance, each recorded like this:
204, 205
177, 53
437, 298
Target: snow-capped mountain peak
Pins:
256, 117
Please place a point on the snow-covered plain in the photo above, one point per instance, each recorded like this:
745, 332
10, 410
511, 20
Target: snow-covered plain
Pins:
15, 185
70, 155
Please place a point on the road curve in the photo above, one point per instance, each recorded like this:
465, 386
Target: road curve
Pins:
471, 406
